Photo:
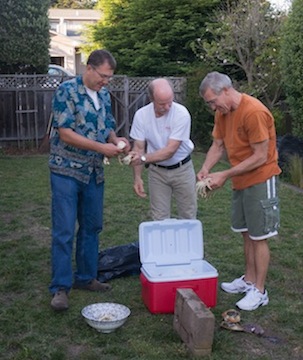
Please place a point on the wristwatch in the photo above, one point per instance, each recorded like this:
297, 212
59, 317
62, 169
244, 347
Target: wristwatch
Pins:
143, 159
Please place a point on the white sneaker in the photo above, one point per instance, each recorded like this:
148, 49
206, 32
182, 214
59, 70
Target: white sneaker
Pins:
237, 286
253, 299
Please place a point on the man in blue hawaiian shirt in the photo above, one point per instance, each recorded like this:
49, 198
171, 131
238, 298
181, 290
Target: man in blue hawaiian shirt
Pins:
84, 132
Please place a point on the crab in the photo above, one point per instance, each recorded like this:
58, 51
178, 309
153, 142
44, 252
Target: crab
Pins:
126, 160
106, 160
231, 326
232, 319
203, 187
232, 316
121, 145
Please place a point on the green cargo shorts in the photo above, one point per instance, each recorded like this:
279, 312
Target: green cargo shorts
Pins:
256, 210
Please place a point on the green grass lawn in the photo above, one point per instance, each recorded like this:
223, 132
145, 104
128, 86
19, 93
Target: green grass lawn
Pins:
31, 330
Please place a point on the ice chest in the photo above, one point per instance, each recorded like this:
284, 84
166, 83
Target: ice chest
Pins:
172, 257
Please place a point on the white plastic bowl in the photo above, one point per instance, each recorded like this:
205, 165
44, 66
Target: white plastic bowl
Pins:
105, 317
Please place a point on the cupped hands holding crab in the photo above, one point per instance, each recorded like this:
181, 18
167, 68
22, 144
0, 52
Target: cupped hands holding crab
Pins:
136, 158
209, 181
130, 159
120, 148
217, 179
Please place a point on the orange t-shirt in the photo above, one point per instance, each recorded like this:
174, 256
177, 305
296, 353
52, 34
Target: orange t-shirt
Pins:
250, 123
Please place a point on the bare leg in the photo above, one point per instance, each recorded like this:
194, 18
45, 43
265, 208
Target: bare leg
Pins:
257, 257
262, 258
250, 266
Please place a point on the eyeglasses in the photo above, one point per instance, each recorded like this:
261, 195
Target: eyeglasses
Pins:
103, 76
211, 102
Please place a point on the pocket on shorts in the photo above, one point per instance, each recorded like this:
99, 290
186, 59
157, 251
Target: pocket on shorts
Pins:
271, 212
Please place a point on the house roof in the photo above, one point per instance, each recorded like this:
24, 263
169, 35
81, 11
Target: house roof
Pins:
73, 14
73, 41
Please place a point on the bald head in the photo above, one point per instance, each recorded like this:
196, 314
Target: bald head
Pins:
162, 95
159, 87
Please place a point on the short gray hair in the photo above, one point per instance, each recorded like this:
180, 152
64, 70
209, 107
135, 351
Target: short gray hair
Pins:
216, 82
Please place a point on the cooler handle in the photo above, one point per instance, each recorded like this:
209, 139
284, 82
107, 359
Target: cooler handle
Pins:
195, 287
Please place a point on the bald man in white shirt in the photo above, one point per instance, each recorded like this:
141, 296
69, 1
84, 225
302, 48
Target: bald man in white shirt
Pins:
161, 134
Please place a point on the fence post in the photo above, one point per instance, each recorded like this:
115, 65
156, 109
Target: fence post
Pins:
126, 106
25, 104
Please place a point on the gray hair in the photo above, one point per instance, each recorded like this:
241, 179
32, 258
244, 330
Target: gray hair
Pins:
216, 82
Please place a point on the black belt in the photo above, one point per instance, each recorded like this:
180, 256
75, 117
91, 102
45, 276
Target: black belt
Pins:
175, 166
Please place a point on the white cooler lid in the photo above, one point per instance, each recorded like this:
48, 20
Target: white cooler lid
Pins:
170, 242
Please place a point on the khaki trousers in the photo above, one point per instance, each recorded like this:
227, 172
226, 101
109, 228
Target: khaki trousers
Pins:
164, 185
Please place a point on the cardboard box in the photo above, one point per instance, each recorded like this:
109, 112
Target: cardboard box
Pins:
171, 253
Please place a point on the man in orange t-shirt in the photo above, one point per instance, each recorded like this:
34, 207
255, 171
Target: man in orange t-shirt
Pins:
245, 129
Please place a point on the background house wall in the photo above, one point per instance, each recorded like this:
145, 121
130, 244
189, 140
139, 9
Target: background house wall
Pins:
66, 33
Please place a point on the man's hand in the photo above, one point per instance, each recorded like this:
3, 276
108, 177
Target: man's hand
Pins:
218, 179
110, 150
202, 174
139, 188
136, 158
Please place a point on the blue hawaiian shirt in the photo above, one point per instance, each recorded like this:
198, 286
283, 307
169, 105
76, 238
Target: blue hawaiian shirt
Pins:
74, 109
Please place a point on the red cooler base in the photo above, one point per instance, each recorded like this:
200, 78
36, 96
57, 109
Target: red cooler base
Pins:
159, 297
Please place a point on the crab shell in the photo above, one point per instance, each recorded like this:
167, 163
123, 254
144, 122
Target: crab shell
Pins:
121, 144
231, 326
126, 160
232, 316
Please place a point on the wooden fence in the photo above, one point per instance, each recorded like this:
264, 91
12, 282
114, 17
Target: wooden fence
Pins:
25, 104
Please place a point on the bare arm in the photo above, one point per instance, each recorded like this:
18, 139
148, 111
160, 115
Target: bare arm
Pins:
138, 149
160, 155
257, 159
72, 138
213, 155
165, 153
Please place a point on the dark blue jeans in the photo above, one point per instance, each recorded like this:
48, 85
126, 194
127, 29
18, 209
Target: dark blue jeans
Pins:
73, 200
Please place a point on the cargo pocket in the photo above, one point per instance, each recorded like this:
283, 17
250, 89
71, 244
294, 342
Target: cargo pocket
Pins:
271, 213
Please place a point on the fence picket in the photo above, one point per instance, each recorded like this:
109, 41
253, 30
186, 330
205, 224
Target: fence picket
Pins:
30, 97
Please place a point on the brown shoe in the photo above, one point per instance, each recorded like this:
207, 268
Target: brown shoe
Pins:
60, 301
94, 285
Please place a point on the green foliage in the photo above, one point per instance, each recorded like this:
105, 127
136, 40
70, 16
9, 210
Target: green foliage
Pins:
156, 39
151, 38
24, 36
202, 116
296, 171
280, 123
244, 39
73, 4
292, 64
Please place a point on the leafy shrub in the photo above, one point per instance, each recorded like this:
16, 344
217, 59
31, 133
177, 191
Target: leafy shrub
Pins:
202, 117
296, 170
